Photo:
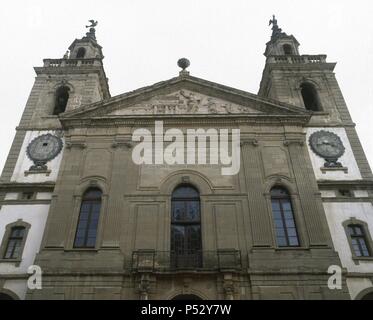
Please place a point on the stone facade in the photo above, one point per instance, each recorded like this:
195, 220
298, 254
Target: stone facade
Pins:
240, 253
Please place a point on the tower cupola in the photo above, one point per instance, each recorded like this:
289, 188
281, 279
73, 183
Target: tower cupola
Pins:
280, 43
87, 47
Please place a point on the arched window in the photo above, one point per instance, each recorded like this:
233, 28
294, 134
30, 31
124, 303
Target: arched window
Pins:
62, 96
310, 97
368, 296
287, 49
4, 296
15, 243
89, 215
81, 53
283, 217
358, 240
186, 244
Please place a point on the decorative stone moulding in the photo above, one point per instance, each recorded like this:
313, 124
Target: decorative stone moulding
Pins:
253, 142
326, 169
38, 171
76, 144
293, 141
118, 144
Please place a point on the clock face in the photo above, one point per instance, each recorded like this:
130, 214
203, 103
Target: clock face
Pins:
44, 148
326, 144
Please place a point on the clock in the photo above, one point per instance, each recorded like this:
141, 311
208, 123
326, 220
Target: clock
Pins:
327, 145
43, 149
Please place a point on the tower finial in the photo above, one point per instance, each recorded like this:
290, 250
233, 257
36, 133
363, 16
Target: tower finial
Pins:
276, 31
93, 24
92, 30
274, 22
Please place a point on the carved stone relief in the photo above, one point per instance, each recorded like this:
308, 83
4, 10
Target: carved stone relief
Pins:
185, 102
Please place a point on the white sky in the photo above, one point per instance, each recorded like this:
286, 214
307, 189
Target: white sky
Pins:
224, 40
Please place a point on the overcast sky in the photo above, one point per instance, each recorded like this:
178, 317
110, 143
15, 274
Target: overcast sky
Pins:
224, 40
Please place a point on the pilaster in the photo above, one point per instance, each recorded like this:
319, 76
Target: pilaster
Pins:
260, 224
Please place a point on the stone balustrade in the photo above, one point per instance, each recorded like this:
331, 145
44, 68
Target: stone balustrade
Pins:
295, 59
71, 62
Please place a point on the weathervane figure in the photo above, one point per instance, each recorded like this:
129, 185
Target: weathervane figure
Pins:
276, 31
93, 24
92, 30
274, 22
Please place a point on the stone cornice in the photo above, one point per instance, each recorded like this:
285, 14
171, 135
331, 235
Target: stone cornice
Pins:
76, 144
25, 202
68, 69
304, 66
289, 142
327, 184
85, 39
10, 186
227, 120
253, 142
122, 143
348, 200
320, 124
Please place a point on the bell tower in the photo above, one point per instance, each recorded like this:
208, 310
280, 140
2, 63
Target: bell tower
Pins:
308, 82
27, 183
63, 84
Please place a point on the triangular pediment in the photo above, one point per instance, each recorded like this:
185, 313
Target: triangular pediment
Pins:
184, 102
184, 96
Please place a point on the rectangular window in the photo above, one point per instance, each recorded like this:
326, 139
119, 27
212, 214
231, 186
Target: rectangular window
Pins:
283, 218
358, 240
86, 232
15, 241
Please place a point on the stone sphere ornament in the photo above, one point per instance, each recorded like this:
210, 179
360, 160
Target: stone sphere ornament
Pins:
183, 63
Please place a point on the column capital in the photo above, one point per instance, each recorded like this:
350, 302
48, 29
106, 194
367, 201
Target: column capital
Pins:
289, 142
117, 144
253, 142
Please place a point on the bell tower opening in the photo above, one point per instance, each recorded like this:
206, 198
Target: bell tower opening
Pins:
81, 53
287, 49
62, 96
310, 97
